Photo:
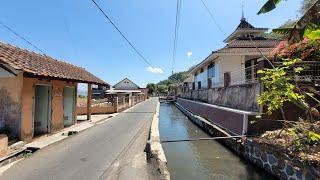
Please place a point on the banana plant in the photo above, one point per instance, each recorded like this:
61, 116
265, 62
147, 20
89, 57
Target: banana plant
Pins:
269, 6
306, 26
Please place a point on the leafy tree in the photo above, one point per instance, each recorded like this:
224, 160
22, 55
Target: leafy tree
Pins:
152, 88
163, 88
178, 77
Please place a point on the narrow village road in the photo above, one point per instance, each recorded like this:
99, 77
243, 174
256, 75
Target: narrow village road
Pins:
110, 150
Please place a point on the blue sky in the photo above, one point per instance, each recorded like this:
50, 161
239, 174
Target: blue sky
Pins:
75, 31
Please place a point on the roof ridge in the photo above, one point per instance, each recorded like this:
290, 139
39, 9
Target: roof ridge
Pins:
39, 54
44, 65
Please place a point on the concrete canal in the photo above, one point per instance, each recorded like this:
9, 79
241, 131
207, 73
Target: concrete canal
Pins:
201, 159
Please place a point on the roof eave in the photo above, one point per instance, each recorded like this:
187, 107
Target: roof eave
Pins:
212, 56
31, 75
231, 36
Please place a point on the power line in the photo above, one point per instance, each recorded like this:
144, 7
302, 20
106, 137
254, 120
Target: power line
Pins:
21, 37
176, 30
67, 28
122, 34
212, 17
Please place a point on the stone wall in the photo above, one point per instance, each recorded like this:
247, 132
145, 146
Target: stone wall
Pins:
243, 97
276, 162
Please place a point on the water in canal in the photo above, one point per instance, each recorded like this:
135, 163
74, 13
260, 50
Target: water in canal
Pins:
202, 159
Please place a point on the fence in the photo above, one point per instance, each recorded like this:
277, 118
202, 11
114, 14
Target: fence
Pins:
110, 105
101, 106
310, 72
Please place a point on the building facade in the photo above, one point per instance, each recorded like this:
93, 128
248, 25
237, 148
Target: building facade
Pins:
224, 87
37, 93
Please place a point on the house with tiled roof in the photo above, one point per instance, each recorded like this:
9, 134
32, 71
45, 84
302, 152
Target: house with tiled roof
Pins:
38, 93
125, 94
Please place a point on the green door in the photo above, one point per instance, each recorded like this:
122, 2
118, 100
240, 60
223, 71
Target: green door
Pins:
42, 113
68, 105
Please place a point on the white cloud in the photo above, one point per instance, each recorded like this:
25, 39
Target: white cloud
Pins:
189, 54
154, 70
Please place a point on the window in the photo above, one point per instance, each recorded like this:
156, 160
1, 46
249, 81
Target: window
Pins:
211, 70
199, 84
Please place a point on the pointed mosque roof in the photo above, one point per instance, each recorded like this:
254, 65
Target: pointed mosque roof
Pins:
244, 28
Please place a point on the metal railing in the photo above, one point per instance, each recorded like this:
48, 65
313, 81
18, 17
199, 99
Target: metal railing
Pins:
310, 72
244, 76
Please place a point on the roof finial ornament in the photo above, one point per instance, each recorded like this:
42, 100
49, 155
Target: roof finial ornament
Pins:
242, 8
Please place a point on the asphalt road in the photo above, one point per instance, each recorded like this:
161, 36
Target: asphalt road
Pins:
109, 150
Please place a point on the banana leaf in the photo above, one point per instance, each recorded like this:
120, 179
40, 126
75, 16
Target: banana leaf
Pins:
269, 6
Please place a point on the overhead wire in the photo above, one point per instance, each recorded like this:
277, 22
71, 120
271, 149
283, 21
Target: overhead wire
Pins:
123, 35
21, 37
67, 28
176, 31
212, 17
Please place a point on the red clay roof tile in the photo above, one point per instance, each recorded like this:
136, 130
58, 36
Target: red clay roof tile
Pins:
42, 65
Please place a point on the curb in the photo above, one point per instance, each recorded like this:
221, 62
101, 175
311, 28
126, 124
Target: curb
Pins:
157, 155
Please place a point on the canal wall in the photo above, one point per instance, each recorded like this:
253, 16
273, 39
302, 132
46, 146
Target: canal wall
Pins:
235, 121
155, 153
272, 160
277, 162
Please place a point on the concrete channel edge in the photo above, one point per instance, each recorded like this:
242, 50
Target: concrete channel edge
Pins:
156, 153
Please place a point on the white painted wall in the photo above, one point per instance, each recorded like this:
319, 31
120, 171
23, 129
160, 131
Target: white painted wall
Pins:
222, 64
203, 77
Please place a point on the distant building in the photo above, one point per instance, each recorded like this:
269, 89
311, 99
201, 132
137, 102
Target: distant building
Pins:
126, 84
125, 90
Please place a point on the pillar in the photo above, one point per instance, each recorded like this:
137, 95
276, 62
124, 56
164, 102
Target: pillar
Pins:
130, 100
89, 97
116, 104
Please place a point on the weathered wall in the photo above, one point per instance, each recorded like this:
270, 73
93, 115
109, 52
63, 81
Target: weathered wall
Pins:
10, 105
243, 97
28, 105
230, 121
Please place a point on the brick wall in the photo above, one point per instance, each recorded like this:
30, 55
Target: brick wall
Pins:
96, 110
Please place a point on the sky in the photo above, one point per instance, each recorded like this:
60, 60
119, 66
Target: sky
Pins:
76, 32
